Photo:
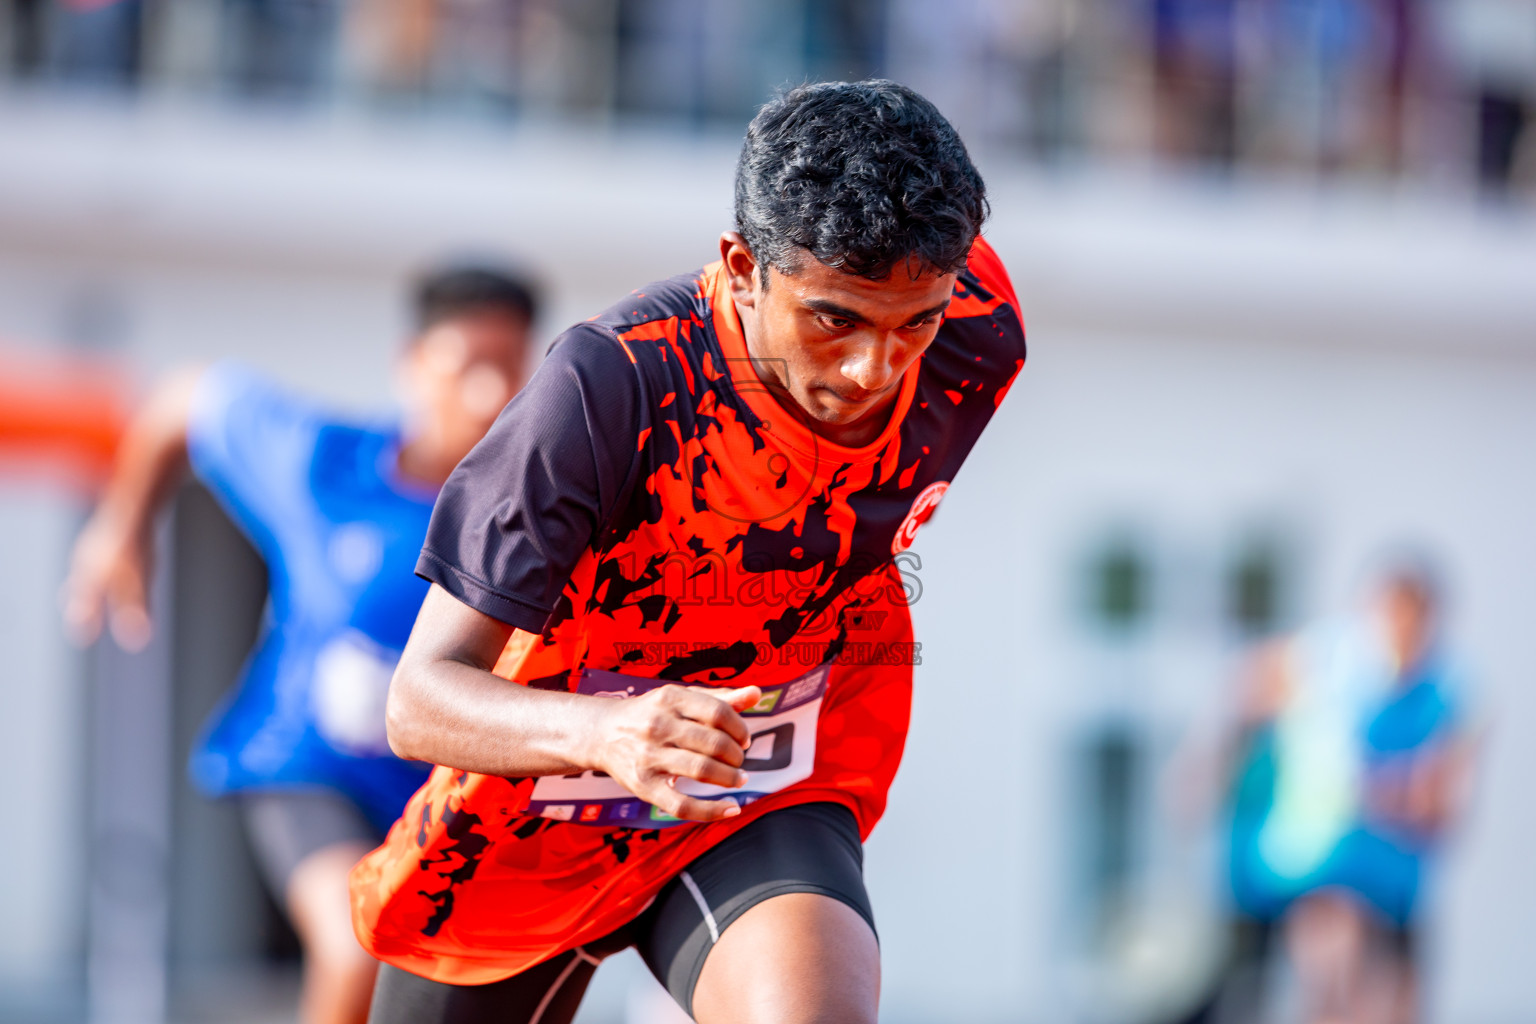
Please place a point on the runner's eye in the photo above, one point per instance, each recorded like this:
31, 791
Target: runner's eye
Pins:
836, 323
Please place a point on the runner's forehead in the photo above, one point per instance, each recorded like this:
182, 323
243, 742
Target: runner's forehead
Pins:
899, 296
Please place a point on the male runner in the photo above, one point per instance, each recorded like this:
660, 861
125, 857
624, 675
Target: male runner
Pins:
708, 484
338, 511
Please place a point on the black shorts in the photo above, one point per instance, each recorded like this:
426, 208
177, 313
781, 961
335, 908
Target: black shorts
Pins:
808, 848
285, 827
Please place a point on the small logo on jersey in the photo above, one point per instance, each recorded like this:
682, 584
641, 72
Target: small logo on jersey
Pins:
922, 507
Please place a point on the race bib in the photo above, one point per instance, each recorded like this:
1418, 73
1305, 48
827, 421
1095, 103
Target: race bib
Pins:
783, 751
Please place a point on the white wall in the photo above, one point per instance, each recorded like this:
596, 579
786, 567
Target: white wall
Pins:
1195, 439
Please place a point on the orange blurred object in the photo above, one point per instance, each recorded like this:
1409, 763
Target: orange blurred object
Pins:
60, 417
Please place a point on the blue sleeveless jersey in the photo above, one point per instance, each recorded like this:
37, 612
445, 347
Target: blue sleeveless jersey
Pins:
340, 534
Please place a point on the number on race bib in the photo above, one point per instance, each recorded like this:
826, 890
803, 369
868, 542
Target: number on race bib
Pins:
782, 752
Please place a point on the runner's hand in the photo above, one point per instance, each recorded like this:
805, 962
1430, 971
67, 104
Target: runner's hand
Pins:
673, 732
109, 575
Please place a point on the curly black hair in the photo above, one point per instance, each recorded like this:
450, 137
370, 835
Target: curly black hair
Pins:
862, 175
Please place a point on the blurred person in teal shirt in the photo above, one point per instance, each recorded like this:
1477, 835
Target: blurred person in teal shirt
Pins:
1355, 755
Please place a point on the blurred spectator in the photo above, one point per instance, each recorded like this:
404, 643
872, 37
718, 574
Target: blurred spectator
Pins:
1041, 39
99, 42
25, 22
1350, 764
1492, 47
481, 47
392, 43
1401, 59
1194, 59
280, 49
1321, 85
845, 39
661, 57
96, 43
1324, 55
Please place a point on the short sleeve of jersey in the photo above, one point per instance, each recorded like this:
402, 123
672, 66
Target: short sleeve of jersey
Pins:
251, 443
520, 510
984, 262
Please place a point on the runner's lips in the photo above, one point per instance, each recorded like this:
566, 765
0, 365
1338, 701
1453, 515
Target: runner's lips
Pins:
863, 401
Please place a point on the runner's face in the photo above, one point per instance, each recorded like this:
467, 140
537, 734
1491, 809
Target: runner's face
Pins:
834, 343
460, 373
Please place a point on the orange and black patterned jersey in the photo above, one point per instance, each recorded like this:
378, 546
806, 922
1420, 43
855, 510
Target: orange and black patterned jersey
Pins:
646, 507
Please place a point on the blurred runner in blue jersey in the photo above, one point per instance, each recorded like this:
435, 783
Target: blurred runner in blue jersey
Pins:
338, 510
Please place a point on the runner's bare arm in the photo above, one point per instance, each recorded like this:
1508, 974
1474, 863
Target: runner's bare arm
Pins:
113, 558
445, 706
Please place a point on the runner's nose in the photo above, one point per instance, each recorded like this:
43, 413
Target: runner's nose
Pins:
871, 367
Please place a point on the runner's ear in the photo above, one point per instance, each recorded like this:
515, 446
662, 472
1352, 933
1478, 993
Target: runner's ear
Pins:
740, 267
